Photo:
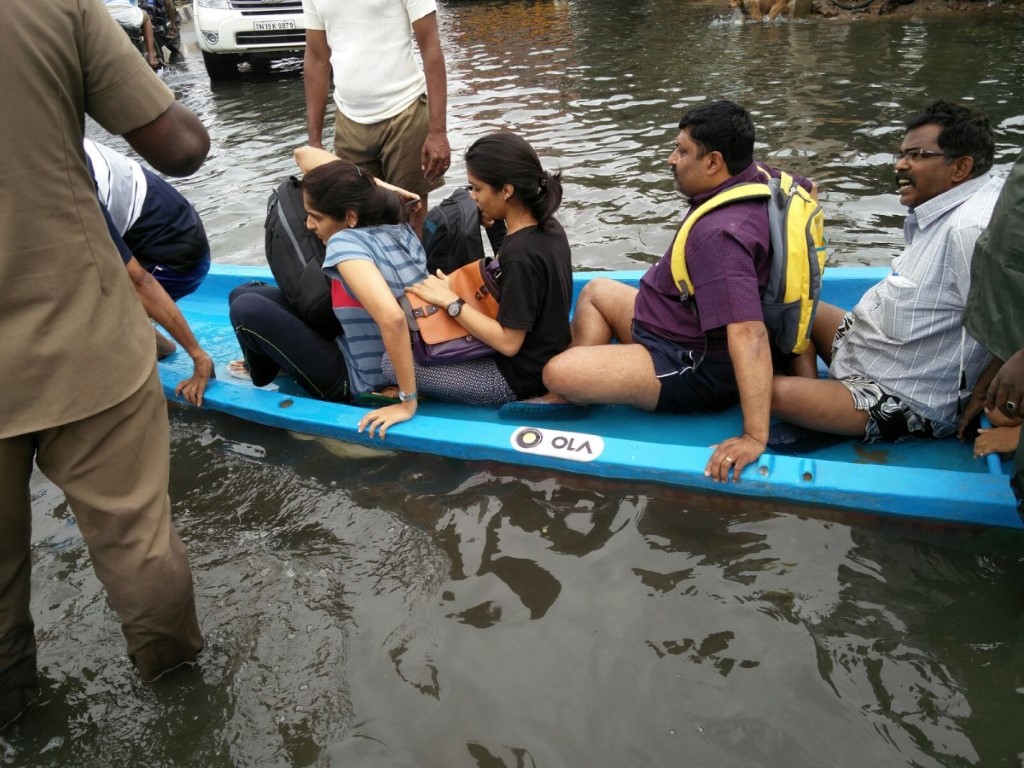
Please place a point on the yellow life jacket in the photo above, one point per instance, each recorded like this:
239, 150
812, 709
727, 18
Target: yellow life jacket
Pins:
797, 226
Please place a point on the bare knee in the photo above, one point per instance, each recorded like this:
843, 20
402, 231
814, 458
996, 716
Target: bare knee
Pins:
604, 311
785, 397
591, 293
565, 376
554, 374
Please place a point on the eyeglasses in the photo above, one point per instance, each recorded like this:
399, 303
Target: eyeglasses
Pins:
913, 155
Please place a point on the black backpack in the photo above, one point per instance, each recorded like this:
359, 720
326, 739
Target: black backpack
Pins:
451, 234
296, 257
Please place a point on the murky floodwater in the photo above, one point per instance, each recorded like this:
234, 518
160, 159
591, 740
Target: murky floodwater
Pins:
412, 611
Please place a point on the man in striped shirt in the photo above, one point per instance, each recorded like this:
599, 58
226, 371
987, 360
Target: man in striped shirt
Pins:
900, 360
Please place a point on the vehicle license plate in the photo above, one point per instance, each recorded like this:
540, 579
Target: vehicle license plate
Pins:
270, 26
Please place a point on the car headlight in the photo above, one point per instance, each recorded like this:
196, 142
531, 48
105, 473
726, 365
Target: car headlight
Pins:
214, 3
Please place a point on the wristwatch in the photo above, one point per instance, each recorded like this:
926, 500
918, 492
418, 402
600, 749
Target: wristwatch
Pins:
455, 308
405, 397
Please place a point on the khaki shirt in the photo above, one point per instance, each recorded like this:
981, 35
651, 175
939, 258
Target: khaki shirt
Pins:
74, 339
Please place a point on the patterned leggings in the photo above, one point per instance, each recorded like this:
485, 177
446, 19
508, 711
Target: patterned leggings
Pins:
474, 382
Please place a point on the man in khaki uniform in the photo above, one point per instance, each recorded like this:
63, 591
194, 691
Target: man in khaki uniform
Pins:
81, 396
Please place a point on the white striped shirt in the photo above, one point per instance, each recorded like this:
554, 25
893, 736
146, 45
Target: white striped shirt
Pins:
907, 332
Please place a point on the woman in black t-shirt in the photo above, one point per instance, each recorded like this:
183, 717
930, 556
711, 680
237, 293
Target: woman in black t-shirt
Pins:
507, 183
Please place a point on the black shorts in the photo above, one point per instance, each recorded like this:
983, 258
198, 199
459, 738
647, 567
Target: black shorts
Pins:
691, 382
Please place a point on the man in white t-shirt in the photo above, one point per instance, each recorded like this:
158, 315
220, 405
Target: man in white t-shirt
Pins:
390, 115
128, 14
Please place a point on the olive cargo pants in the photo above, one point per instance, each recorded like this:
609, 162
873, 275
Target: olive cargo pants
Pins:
113, 468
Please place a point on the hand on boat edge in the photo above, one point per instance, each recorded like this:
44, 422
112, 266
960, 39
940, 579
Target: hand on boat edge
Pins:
380, 419
733, 455
193, 388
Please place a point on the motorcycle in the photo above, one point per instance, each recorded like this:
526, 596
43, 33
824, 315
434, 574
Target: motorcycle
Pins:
165, 35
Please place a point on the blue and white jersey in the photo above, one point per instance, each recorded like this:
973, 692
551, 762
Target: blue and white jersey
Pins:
120, 184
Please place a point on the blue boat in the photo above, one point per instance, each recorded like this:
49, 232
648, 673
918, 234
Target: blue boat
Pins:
932, 480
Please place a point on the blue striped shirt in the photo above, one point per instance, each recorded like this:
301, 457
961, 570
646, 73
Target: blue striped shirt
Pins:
398, 254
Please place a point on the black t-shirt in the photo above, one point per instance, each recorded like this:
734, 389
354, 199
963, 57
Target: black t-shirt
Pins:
536, 292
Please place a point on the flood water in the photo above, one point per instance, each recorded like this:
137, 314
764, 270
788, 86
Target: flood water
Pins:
405, 610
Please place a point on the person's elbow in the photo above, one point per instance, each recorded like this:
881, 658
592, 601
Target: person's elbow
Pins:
176, 143
507, 343
316, 56
394, 328
188, 145
190, 157
509, 347
750, 335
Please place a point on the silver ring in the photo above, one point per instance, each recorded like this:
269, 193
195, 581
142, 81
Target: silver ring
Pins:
1010, 405
729, 459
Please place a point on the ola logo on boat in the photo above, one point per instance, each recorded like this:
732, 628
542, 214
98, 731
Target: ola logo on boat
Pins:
527, 438
574, 446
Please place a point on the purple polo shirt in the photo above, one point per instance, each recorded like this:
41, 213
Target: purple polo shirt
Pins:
727, 256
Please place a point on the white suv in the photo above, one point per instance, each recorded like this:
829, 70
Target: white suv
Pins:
230, 31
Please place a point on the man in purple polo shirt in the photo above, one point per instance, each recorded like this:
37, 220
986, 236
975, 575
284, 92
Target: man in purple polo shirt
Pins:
669, 356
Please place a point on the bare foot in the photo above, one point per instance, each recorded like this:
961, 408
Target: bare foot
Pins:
996, 440
239, 369
549, 398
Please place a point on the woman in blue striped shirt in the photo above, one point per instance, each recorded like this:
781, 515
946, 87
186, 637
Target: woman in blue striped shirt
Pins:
372, 257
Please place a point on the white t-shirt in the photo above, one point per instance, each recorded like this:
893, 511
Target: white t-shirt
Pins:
376, 75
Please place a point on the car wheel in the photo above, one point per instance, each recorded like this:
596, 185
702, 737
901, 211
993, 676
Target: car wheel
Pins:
221, 67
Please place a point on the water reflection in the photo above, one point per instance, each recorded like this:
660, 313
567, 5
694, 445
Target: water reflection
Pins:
418, 611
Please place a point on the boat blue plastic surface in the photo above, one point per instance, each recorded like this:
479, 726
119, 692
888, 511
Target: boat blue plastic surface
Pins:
937, 480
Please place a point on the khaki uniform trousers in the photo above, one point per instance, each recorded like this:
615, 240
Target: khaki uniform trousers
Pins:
113, 468
390, 149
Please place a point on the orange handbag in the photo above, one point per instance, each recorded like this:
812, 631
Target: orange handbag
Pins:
439, 338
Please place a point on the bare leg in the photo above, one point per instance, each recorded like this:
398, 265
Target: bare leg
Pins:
822, 405
147, 36
826, 322
616, 374
805, 365
604, 312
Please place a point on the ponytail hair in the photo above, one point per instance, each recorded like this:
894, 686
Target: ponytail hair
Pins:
340, 186
505, 158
